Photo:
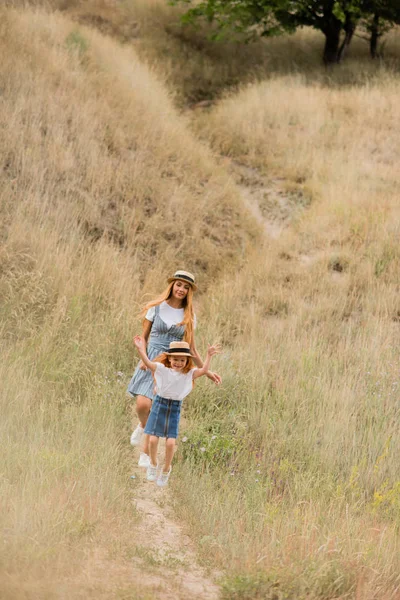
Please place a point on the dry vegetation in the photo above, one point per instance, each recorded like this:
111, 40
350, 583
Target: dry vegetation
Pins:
289, 476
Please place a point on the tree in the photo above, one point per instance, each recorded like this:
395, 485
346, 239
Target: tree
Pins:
336, 19
382, 15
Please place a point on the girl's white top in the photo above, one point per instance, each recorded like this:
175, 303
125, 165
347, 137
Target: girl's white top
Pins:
173, 384
170, 316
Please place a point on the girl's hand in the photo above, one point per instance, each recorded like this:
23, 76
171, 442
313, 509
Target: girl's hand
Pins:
214, 349
139, 343
215, 378
142, 366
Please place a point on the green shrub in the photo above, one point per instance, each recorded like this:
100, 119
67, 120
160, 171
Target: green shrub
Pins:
209, 444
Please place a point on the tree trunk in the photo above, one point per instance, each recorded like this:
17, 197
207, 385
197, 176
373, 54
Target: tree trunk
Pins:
373, 42
332, 40
349, 28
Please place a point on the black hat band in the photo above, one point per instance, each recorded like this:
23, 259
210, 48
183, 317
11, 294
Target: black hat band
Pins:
180, 350
184, 277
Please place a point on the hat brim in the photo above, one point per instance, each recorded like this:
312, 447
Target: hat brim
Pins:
171, 279
179, 354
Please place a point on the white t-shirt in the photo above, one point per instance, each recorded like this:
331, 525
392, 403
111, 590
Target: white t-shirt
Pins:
173, 384
170, 316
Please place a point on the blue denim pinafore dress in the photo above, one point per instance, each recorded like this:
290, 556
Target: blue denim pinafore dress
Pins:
142, 382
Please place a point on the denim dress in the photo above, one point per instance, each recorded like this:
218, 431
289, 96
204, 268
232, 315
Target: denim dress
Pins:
161, 335
164, 418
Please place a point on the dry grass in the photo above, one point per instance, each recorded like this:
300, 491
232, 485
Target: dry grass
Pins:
104, 186
313, 370
304, 449
123, 167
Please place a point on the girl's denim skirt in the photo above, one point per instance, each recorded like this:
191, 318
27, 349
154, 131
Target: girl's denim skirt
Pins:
164, 418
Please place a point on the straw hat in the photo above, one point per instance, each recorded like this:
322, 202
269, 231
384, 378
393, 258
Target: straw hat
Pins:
183, 276
179, 349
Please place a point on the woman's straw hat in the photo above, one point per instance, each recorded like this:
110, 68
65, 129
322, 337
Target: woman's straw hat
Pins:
179, 349
183, 276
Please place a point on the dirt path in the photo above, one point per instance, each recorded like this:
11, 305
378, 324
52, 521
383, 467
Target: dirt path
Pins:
165, 554
269, 199
151, 559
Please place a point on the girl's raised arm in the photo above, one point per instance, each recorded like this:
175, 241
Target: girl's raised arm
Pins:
211, 350
199, 363
140, 344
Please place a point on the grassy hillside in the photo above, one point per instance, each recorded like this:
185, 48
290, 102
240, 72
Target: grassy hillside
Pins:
308, 419
104, 192
288, 478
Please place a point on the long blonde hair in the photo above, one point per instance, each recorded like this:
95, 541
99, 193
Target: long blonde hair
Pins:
187, 305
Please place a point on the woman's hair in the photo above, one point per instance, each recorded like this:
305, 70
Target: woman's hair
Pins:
188, 317
164, 359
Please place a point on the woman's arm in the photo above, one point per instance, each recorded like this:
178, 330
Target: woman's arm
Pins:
147, 325
211, 350
199, 363
141, 347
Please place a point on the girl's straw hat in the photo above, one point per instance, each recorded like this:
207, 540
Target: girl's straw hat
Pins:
179, 349
183, 276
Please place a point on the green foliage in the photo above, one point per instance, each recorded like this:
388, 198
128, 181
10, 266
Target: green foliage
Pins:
236, 18
251, 587
251, 18
313, 582
339, 12
388, 255
77, 42
208, 444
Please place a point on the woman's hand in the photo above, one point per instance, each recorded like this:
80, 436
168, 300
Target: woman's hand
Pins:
215, 378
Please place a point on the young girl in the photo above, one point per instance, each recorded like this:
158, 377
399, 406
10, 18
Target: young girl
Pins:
169, 318
174, 375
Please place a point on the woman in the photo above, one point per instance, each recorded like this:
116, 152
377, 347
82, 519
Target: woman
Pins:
169, 318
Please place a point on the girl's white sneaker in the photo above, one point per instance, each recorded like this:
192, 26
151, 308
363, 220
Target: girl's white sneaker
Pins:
151, 474
162, 480
136, 436
144, 460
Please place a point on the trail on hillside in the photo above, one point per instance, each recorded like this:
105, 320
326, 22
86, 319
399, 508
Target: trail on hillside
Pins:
174, 572
160, 562
165, 558
267, 198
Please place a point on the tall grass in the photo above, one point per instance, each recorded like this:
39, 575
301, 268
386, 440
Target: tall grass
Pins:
288, 477
104, 192
289, 474
64, 468
300, 446
124, 166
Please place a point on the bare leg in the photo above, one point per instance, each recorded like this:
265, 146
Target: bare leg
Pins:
143, 408
153, 443
169, 453
145, 448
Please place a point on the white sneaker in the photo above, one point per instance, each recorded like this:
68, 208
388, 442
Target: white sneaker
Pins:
144, 460
136, 436
162, 480
151, 473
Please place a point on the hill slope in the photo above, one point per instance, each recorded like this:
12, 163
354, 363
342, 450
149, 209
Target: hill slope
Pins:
105, 188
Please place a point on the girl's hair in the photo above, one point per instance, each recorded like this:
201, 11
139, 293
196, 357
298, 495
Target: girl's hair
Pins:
164, 359
188, 317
